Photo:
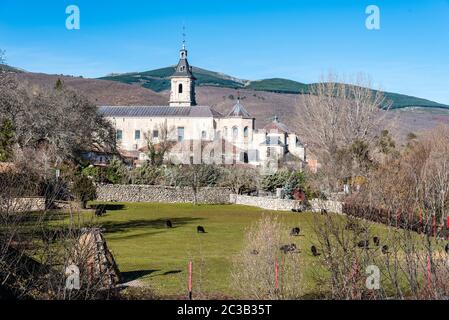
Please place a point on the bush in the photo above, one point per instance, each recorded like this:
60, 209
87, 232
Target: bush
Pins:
84, 190
275, 181
117, 172
147, 174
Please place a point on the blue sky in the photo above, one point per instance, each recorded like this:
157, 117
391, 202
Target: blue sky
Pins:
250, 39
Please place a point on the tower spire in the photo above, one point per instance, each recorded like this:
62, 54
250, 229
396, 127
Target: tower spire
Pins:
183, 37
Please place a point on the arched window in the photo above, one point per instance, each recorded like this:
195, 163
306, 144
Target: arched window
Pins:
235, 132
203, 135
180, 88
225, 132
246, 132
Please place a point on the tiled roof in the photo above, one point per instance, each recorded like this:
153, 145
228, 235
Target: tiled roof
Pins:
277, 126
158, 111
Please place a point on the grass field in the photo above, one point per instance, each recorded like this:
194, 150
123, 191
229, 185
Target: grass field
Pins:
147, 251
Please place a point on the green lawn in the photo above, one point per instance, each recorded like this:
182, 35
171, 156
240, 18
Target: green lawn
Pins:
144, 249
147, 251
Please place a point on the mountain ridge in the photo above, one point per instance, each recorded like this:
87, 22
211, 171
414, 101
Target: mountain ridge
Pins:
159, 80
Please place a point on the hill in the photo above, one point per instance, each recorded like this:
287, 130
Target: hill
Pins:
159, 80
262, 104
99, 92
6, 68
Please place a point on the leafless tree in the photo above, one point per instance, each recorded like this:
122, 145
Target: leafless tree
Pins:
2, 56
261, 271
340, 122
408, 192
58, 122
159, 145
240, 179
35, 252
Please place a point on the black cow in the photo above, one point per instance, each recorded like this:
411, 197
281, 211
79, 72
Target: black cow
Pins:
364, 244
200, 229
385, 249
100, 211
295, 232
446, 248
376, 241
168, 224
255, 252
315, 251
350, 226
323, 211
288, 248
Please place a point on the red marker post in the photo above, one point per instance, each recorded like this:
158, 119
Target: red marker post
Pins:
190, 279
276, 272
434, 225
447, 228
429, 274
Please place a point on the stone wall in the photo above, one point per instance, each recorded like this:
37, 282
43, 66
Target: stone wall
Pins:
276, 204
269, 203
330, 205
23, 204
163, 194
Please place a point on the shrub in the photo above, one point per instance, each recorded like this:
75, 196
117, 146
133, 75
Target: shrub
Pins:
84, 190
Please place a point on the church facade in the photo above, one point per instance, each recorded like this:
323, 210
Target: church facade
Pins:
200, 134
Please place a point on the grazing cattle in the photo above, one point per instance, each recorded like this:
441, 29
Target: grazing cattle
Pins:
364, 244
295, 232
314, 251
350, 226
446, 248
200, 229
323, 211
255, 252
100, 211
385, 249
288, 248
376, 241
168, 224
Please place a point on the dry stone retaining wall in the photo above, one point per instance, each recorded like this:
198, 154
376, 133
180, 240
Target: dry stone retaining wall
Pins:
163, 194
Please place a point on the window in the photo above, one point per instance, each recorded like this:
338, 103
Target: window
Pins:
225, 132
137, 135
181, 134
246, 132
119, 134
155, 134
203, 135
180, 88
235, 132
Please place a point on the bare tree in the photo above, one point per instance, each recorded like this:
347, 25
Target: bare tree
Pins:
261, 270
240, 179
159, 145
34, 252
2, 56
58, 122
340, 122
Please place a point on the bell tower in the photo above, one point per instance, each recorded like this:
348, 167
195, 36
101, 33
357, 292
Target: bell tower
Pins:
182, 82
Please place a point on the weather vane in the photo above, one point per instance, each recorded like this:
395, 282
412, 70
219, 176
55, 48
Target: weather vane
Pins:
183, 36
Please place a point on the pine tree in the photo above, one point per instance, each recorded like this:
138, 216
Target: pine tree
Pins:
59, 85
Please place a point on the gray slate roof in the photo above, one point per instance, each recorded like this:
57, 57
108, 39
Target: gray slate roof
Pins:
183, 69
158, 111
239, 111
